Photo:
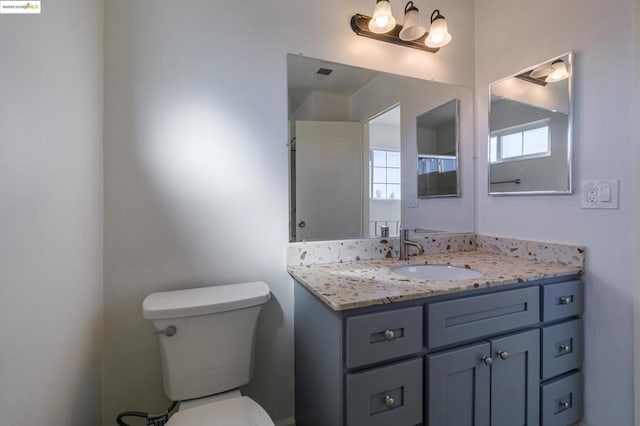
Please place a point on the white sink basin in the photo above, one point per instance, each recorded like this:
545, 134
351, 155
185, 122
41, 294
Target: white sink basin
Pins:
437, 272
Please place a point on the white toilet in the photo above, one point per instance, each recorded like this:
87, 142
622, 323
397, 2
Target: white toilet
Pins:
206, 338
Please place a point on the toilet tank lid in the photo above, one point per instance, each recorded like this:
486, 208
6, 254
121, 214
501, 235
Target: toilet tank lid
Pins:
204, 300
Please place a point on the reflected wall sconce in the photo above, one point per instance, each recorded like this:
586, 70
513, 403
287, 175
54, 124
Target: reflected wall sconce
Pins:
559, 73
382, 26
547, 73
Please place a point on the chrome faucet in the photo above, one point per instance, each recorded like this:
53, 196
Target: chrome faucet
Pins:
405, 241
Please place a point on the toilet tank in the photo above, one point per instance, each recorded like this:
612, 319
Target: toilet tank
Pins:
212, 348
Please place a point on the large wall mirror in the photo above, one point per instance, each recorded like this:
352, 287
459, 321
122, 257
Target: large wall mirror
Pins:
437, 132
353, 152
530, 125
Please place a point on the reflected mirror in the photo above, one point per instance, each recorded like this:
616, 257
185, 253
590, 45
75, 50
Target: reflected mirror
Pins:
353, 151
530, 130
437, 133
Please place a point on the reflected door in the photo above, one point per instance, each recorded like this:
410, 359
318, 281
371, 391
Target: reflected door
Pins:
329, 173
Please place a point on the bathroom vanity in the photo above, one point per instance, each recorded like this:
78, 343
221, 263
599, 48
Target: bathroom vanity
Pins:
376, 348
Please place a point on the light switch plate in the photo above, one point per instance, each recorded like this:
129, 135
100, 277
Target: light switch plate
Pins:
600, 194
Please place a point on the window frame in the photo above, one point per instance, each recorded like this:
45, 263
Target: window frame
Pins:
441, 159
520, 128
386, 182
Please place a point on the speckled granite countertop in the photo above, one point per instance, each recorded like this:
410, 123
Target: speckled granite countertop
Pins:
349, 285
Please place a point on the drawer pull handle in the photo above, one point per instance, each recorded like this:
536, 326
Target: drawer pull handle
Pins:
503, 354
389, 335
487, 360
564, 405
564, 349
388, 401
566, 300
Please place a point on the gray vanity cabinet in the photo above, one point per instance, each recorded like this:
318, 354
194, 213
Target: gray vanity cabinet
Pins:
515, 396
509, 356
458, 386
489, 383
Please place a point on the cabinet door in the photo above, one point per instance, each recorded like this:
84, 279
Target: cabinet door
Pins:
458, 387
515, 373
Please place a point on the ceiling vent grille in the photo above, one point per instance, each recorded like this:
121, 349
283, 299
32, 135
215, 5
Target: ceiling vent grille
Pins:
323, 73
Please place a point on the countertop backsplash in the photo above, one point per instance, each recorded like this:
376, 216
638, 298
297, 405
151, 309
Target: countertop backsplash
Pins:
534, 250
340, 251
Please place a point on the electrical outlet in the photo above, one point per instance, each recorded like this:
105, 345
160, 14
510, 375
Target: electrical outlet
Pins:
592, 193
600, 194
412, 204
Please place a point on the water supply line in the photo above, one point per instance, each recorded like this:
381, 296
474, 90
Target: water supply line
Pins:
153, 419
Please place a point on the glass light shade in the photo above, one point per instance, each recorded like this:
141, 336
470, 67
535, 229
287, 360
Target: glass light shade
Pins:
412, 30
382, 20
542, 71
438, 33
560, 72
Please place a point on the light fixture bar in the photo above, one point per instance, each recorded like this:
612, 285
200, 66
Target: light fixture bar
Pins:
527, 77
360, 26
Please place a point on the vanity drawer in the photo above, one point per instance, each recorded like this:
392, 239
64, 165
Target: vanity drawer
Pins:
561, 348
390, 395
562, 300
562, 401
382, 336
479, 316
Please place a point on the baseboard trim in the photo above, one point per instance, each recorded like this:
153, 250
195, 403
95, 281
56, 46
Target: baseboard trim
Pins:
289, 421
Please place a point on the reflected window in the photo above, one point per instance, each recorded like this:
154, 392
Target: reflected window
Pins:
436, 164
521, 142
385, 175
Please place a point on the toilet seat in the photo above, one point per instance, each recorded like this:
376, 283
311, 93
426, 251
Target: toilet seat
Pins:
242, 411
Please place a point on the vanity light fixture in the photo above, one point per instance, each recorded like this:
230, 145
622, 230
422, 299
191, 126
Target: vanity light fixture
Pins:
382, 26
559, 73
382, 20
412, 30
542, 72
439, 35
547, 73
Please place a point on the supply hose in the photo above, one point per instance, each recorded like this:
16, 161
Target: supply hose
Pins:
150, 417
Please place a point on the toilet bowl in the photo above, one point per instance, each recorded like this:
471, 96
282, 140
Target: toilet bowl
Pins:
234, 411
207, 339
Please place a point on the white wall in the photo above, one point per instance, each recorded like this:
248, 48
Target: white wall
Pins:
536, 174
323, 107
603, 149
196, 162
51, 215
384, 136
551, 97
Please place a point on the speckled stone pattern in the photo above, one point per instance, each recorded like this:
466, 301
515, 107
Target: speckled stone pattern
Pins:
314, 252
546, 252
348, 285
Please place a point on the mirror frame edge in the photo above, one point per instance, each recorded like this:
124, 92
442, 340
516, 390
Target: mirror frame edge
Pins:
570, 56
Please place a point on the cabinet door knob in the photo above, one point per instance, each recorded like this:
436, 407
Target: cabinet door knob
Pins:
564, 349
487, 360
564, 405
503, 354
388, 401
566, 300
389, 335
302, 224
